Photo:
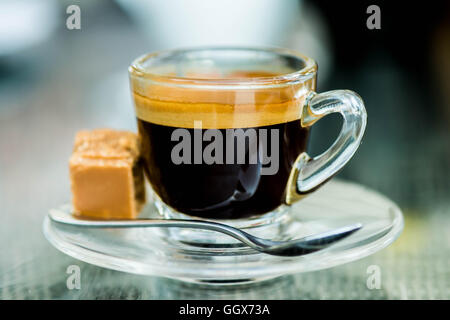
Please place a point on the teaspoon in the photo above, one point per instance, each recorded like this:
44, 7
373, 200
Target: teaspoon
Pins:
289, 248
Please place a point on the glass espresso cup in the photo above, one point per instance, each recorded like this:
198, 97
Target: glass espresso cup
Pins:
224, 131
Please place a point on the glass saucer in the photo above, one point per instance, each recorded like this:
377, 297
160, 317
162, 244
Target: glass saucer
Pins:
153, 251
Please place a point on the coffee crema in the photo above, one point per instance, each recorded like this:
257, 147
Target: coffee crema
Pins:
221, 108
220, 190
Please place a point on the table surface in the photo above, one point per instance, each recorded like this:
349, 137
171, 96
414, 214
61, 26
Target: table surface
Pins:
42, 108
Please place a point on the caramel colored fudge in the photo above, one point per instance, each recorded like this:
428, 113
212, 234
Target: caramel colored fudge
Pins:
106, 175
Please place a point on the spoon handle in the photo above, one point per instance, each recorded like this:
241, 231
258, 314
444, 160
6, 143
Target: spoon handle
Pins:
67, 219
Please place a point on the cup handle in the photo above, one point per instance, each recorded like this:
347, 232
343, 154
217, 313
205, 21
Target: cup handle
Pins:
312, 172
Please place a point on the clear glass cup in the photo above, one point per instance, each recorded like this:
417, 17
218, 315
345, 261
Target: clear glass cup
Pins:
262, 101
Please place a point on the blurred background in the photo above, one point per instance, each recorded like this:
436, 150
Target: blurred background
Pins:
55, 81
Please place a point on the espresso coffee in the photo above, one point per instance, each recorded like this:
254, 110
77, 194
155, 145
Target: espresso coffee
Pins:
260, 137
220, 191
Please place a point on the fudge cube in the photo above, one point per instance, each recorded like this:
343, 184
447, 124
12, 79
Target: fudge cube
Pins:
106, 174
